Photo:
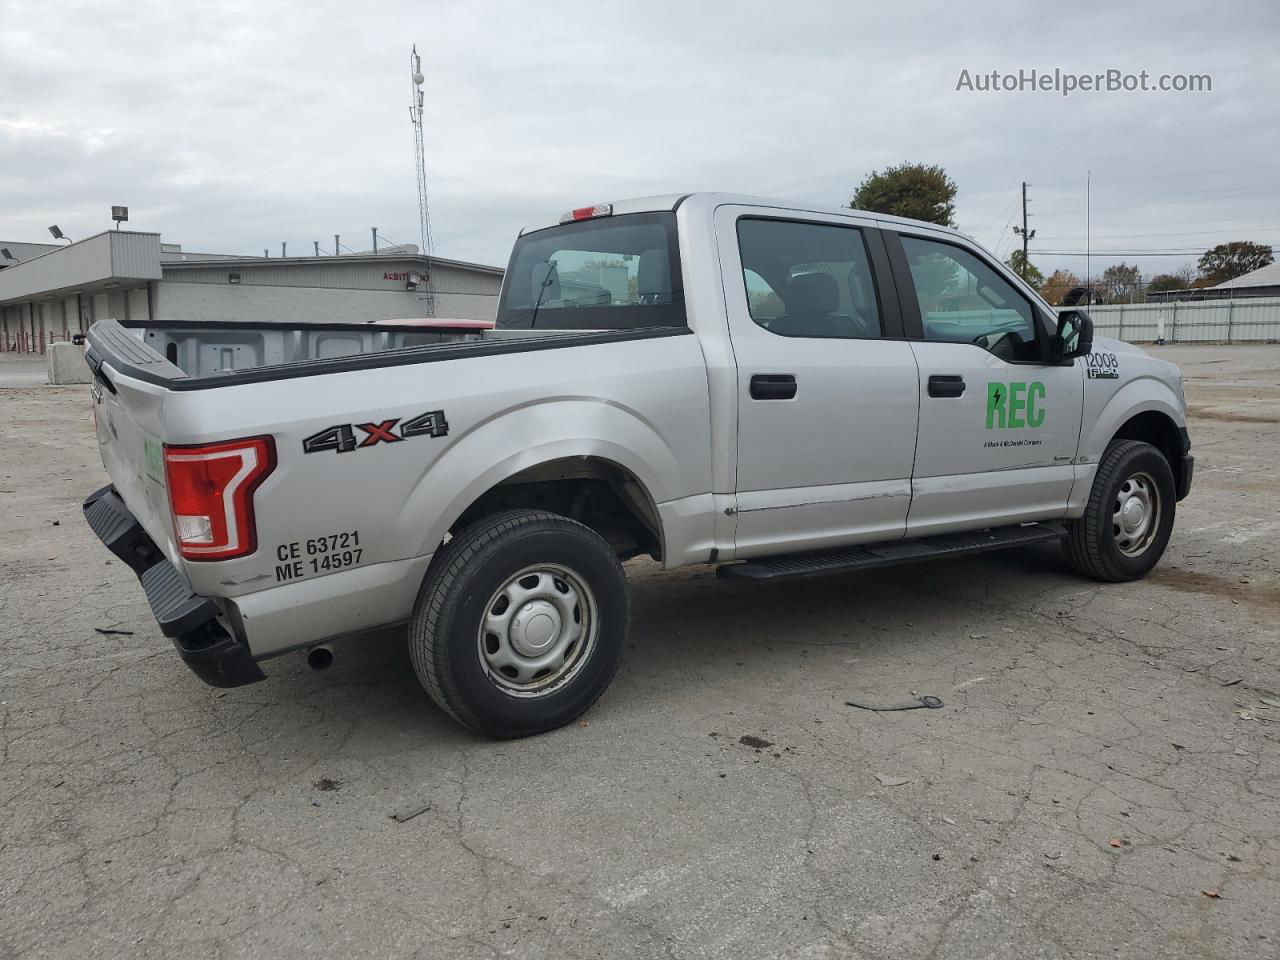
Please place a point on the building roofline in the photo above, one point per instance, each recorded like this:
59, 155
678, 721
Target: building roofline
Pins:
76, 243
226, 261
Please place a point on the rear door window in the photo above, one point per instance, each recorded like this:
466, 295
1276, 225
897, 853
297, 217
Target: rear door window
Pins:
808, 279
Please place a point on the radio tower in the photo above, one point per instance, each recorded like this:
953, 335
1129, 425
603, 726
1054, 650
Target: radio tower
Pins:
427, 294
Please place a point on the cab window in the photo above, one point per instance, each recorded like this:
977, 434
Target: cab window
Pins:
610, 273
964, 300
808, 279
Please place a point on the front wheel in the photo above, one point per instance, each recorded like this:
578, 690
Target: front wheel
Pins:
1129, 517
520, 623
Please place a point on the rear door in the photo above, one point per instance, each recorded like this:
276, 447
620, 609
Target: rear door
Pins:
999, 423
828, 390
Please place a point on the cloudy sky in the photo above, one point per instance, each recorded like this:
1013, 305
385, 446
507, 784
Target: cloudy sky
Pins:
233, 126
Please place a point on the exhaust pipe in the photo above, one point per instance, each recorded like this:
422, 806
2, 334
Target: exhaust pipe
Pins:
320, 658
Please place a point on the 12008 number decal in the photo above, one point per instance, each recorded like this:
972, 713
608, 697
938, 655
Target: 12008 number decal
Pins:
342, 438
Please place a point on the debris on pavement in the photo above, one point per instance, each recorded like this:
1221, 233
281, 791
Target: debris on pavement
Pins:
1212, 894
932, 703
112, 632
888, 781
754, 742
405, 814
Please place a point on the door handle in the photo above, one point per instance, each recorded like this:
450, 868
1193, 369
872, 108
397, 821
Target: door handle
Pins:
946, 386
773, 386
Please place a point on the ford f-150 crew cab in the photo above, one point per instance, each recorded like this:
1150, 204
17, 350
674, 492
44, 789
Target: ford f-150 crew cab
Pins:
708, 379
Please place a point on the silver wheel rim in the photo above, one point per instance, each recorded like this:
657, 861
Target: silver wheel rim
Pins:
1135, 516
538, 630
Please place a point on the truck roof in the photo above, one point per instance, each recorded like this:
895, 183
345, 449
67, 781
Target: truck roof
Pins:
710, 201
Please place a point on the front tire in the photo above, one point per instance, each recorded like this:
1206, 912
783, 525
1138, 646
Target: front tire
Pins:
520, 623
1129, 517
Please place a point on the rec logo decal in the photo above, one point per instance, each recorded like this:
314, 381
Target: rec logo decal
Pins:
341, 437
1015, 405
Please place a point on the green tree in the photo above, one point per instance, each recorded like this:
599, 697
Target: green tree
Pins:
1121, 282
909, 190
1163, 282
1180, 279
1227, 261
1059, 284
1024, 268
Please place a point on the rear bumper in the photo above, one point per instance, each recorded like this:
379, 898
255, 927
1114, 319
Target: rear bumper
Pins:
185, 617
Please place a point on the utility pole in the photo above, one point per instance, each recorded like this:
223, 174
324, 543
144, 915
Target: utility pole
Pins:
1024, 229
1026, 234
1088, 232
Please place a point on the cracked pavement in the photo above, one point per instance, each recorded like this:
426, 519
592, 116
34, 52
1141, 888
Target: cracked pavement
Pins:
1104, 761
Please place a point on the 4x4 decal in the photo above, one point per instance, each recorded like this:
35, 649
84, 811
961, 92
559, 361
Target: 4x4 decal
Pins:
341, 437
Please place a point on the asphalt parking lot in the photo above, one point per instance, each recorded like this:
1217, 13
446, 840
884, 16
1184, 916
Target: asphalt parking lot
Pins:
1103, 780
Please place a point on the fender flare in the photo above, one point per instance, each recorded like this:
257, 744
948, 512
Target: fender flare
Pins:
499, 447
1142, 395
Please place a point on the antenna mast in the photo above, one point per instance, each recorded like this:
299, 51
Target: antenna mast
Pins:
428, 295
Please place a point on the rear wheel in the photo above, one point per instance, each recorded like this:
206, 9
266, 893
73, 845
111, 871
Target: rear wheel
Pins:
520, 623
1129, 517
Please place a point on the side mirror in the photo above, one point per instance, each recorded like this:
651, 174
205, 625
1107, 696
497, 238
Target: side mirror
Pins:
1074, 337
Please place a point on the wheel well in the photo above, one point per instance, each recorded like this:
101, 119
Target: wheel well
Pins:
1161, 432
597, 493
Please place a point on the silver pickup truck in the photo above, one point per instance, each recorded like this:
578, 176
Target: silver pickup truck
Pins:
707, 379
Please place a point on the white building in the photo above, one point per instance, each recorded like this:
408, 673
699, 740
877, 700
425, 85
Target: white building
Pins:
50, 292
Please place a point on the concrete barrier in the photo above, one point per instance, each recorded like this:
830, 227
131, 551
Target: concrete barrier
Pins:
66, 364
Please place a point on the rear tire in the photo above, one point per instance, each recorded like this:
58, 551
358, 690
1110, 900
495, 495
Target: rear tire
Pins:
1129, 516
520, 623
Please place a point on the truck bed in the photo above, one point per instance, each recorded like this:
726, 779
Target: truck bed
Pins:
193, 356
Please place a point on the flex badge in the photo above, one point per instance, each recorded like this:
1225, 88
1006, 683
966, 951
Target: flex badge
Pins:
1012, 406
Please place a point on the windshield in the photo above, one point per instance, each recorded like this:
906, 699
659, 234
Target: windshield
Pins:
612, 273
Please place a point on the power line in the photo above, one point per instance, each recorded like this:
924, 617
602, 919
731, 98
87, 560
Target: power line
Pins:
1058, 211
1003, 214
1245, 188
1248, 228
1163, 176
1126, 253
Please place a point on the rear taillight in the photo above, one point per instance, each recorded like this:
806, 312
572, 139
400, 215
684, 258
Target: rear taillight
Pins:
211, 495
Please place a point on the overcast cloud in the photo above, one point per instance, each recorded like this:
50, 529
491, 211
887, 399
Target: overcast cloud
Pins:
233, 126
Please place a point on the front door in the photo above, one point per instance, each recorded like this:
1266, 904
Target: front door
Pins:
827, 403
999, 425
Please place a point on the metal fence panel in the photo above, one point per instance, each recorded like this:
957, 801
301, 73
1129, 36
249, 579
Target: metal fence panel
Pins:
1245, 320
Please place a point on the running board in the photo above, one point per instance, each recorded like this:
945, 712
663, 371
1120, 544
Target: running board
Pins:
795, 566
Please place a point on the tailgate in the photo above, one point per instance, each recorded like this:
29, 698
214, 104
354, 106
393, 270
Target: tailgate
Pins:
128, 417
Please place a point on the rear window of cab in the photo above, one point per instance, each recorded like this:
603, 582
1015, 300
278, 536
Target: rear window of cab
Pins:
610, 273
